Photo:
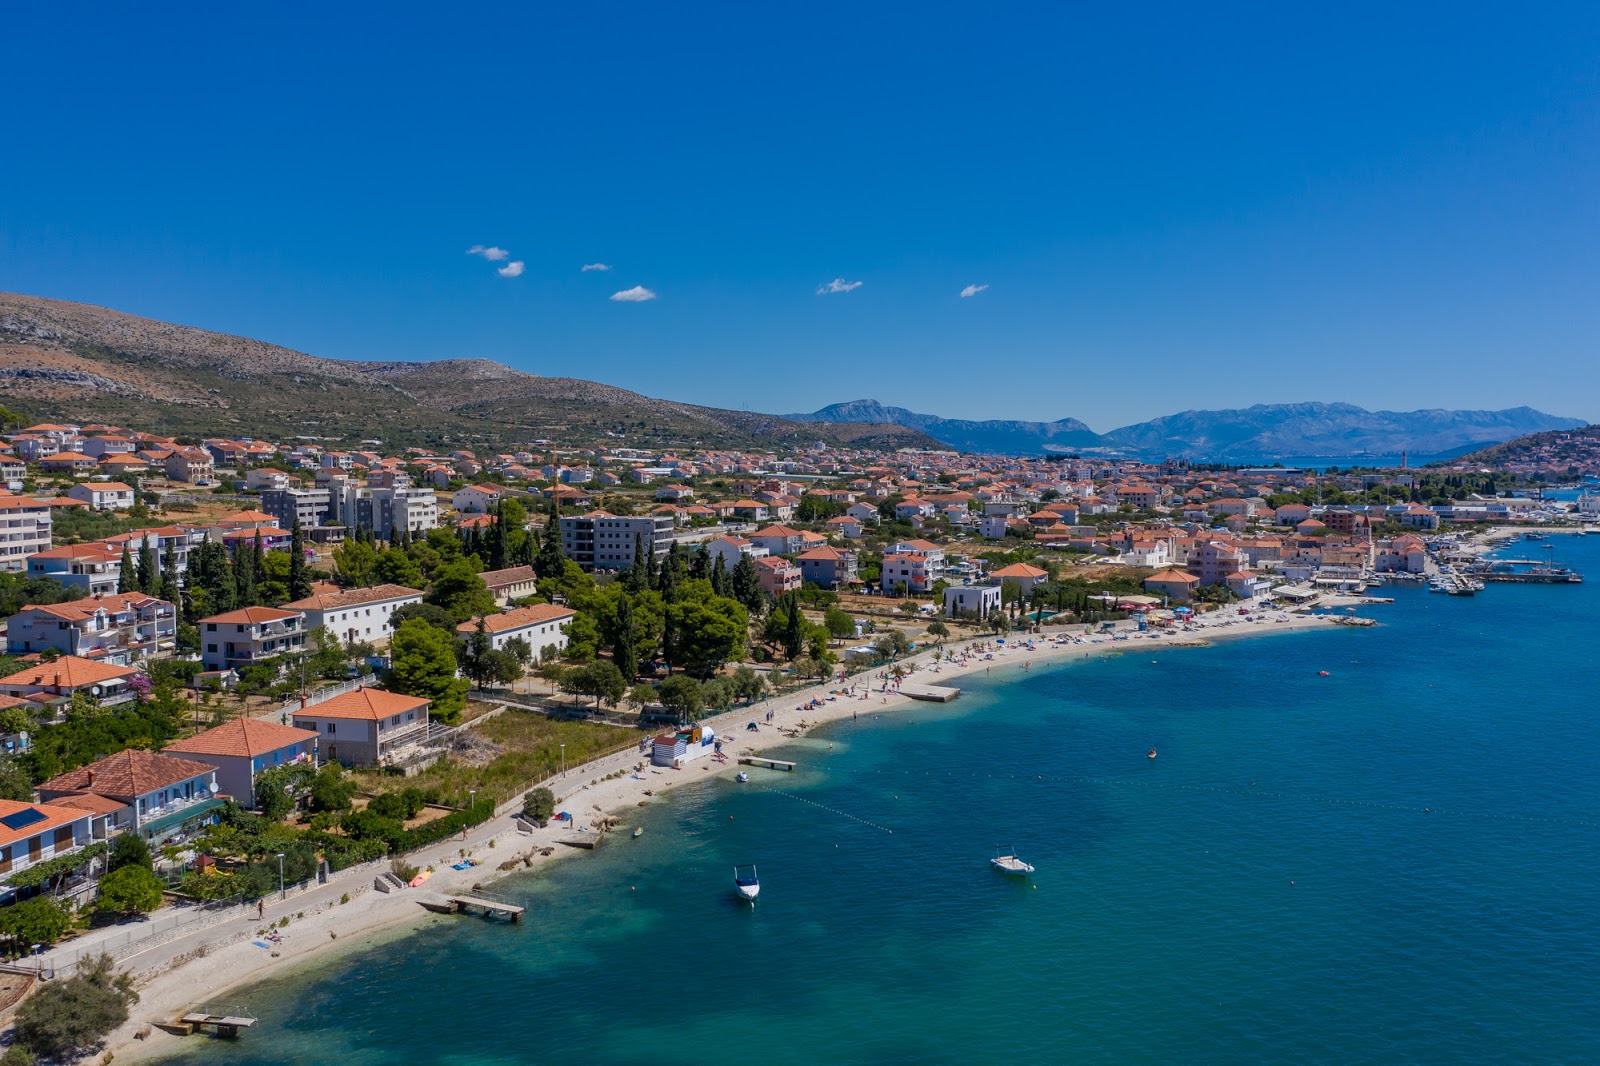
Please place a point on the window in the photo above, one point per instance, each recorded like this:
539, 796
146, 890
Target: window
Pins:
211, 627
331, 728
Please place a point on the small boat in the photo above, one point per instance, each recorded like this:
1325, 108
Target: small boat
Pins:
1322, 673
1010, 864
1151, 754
638, 831
746, 883
742, 777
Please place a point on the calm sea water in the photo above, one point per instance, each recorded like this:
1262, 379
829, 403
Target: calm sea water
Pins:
1394, 863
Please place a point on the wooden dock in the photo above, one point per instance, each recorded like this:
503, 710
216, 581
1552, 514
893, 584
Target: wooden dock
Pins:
931, 693
226, 1024
770, 764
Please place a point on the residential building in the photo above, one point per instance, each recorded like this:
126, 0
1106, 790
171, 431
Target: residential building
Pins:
828, 567
163, 798
119, 629
730, 550
1176, 585
31, 833
778, 575
1022, 575
1213, 560
367, 727
477, 499
288, 505
59, 679
540, 624
602, 541
93, 568
971, 601
513, 583
240, 749
193, 466
779, 540
243, 638
355, 614
24, 531
104, 495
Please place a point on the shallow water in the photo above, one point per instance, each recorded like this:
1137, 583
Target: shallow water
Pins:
1394, 863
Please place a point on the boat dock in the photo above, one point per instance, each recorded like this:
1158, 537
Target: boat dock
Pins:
770, 764
462, 904
931, 693
227, 1025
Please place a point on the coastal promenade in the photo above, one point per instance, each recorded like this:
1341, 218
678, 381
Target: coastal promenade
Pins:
349, 913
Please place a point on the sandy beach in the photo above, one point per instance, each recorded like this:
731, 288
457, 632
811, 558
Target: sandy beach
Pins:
201, 969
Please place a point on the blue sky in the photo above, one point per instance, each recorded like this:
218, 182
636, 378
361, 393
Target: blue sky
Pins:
1172, 206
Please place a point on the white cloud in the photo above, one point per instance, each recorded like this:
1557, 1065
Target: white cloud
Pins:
494, 255
972, 290
512, 269
636, 295
838, 285
595, 266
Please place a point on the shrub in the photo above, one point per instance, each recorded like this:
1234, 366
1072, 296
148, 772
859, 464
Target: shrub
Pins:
36, 921
130, 890
129, 849
66, 1019
435, 831
332, 791
538, 805
400, 805
370, 825
402, 869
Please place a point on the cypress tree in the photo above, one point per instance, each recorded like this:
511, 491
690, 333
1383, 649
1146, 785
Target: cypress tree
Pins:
794, 640
499, 547
299, 573
169, 588
244, 576
147, 574
719, 578
744, 584
623, 652
551, 561
127, 580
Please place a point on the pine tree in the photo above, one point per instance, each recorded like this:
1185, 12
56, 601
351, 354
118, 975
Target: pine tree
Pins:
745, 585
127, 579
299, 573
719, 577
147, 574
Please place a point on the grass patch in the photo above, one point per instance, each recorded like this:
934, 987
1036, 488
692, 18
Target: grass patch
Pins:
533, 753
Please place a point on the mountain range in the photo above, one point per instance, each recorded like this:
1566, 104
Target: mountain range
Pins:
70, 360
1262, 432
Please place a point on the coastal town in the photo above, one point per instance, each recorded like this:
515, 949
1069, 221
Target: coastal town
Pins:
238, 671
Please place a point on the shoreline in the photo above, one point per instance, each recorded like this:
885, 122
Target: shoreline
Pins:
322, 928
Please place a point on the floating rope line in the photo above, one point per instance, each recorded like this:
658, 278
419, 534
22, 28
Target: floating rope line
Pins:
830, 810
1237, 790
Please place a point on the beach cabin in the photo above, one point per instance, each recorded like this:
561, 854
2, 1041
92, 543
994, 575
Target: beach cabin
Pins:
678, 749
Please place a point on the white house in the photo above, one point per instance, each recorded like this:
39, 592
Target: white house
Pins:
31, 833
971, 601
355, 614
477, 499
103, 495
539, 624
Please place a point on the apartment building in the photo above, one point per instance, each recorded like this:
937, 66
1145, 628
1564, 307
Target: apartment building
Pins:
602, 541
239, 639
120, 629
24, 531
355, 614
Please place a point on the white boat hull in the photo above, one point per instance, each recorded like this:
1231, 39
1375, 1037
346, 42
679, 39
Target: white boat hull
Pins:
1011, 865
748, 892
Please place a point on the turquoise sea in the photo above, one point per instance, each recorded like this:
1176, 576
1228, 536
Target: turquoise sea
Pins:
1396, 863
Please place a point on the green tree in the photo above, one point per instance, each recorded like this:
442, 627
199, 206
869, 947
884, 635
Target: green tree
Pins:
706, 633
423, 659
622, 648
938, 630
299, 572
355, 561
127, 576
839, 623
538, 805
15, 784
550, 560
682, 695
745, 584
129, 849
472, 655
331, 790
747, 684
459, 590
394, 566
40, 920
67, 1019
130, 890
145, 576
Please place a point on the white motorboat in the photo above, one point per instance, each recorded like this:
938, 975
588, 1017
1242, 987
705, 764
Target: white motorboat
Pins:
1010, 864
741, 777
746, 883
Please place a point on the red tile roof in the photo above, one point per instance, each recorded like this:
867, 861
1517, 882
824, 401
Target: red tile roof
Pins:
127, 775
243, 737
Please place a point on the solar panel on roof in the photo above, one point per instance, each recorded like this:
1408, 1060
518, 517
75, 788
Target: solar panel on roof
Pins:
23, 818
